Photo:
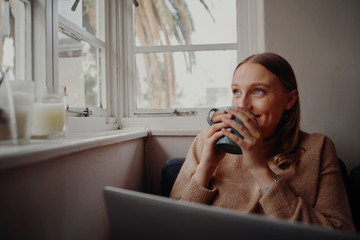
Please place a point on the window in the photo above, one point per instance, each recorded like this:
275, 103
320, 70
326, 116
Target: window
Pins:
72, 40
15, 40
184, 53
82, 53
181, 54
176, 61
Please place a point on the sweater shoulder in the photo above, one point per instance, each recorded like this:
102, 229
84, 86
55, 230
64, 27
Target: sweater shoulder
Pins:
309, 139
312, 136
316, 143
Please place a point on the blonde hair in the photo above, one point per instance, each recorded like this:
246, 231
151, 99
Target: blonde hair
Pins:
289, 125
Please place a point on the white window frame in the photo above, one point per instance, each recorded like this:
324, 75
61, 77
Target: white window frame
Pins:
23, 40
250, 40
79, 33
45, 65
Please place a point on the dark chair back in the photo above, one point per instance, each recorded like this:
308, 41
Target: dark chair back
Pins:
352, 186
169, 173
354, 198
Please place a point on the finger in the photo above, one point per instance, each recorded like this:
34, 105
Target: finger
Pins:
244, 115
216, 136
248, 135
249, 114
215, 128
245, 144
243, 131
249, 121
211, 136
218, 115
239, 141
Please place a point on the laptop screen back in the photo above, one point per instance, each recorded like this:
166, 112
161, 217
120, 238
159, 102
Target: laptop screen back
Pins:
136, 215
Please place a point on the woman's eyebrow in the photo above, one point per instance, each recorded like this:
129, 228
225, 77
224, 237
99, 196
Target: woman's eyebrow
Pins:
254, 85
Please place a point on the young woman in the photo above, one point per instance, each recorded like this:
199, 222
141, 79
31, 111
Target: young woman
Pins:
282, 172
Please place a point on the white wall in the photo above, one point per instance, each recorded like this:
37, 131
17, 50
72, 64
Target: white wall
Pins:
158, 150
321, 40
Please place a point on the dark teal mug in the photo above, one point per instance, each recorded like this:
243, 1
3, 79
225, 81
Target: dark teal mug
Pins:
224, 143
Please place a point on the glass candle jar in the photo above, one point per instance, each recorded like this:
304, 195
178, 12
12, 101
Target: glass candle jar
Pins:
23, 94
49, 114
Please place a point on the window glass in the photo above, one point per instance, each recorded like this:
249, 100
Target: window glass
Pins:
78, 71
185, 52
7, 38
168, 80
185, 22
83, 13
81, 56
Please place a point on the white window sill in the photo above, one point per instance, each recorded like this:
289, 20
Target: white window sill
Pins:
175, 132
41, 150
91, 124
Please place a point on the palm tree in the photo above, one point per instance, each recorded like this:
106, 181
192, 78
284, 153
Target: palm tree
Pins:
156, 21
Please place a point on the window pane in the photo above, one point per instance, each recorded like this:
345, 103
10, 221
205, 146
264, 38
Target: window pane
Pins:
185, 22
85, 14
79, 72
172, 80
7, 37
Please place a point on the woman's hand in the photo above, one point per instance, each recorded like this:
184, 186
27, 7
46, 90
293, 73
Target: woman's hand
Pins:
210, 156
252, 145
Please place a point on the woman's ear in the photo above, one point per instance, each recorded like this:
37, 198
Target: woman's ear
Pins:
291, 99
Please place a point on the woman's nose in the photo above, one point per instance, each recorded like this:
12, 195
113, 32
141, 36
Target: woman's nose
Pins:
245, 102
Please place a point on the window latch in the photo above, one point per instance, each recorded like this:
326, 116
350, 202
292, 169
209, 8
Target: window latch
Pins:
136, 4
184, 113
85, 113
173, 113
74, 6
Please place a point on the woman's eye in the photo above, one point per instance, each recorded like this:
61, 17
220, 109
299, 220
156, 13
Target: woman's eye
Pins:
259, 91
236, 92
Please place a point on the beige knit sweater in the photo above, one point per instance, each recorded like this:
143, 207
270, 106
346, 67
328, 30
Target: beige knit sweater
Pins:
312, 193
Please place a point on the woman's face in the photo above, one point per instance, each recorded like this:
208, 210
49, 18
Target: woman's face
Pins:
258, 90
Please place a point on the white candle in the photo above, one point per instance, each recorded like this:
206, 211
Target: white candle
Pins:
48, 118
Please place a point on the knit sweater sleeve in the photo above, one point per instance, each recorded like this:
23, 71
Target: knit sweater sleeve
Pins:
186, 187
331, 207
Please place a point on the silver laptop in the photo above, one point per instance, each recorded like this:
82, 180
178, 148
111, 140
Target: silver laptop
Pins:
136, 215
